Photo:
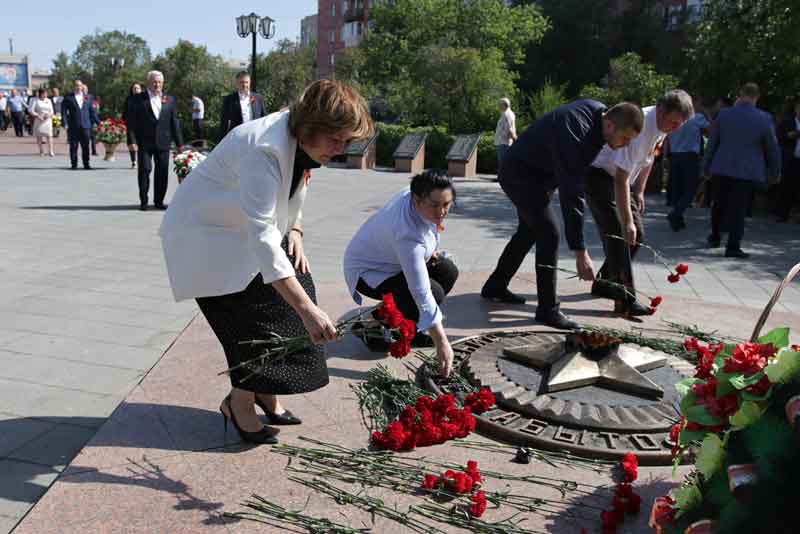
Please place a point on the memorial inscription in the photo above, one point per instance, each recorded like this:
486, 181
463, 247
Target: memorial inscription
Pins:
463, 147
359, 148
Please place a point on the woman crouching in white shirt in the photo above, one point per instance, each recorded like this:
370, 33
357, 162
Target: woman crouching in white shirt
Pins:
233, 240
396, 251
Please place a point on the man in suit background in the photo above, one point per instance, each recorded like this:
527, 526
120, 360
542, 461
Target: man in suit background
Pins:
78, 115
789, 138
240, 106
742, 153
154, 126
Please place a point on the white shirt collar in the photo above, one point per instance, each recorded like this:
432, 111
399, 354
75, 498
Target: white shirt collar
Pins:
153, 95
243, 96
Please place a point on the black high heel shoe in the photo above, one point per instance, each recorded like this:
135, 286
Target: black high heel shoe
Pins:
286, 418
261, 437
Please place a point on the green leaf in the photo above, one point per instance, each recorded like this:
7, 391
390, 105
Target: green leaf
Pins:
740, 382
778, 337
710, 456
756, 398
687, 498
685, 386
748, 414
784, 367
687, 402
724, 385
699, 414
688, 436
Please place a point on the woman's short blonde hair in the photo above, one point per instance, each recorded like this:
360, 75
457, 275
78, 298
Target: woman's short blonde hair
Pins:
329, 107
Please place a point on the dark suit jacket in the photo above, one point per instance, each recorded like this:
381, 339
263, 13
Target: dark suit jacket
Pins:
785, 127
147, 130
232, 111
74, 117
743, 145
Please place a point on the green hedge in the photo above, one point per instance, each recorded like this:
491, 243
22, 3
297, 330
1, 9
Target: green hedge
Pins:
437, 144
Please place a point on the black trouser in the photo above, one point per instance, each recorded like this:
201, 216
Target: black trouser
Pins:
3, 120
536, 226
93, 137
684, 174
75, 138
197, 124
18, 118
790, 187
443, 275
601, 199
731, 198
147, 155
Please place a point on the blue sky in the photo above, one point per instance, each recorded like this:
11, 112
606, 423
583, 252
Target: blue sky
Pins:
44, 28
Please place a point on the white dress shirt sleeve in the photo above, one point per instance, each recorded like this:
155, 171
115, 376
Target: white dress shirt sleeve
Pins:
260, 185
412, 259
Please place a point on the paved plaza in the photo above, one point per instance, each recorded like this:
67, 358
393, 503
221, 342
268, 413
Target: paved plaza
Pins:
94, 349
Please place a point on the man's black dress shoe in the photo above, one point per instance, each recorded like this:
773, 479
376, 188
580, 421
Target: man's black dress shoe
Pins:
88, 168
285, 418
73, 168
634, 308
501, 295
142, 207
161, 206
712, 242
736, 253
557, 320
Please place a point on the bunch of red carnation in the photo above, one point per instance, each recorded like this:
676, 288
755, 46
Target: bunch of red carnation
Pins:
626, 501
680, 270
479, 402
466, 482
428, 422
705, 357
388, 313
663, 513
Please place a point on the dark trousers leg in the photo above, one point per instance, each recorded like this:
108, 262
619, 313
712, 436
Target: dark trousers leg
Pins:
443, 275
85, 137
537, 225
789, 188
79, 137
730, 206
93, 138
198, 128
17, 118
686, 169
3, 120
160, 176
600, 197
133, 155
143, 173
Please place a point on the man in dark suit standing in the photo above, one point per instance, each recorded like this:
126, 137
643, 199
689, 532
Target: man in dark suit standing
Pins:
78, 115
240, 106
789, 138
154, 126
742, 152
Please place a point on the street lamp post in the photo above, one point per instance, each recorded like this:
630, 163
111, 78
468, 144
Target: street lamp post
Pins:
252, 24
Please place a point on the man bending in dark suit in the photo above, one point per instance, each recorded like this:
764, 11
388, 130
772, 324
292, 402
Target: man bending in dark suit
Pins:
78, 115
154, 126
240, 106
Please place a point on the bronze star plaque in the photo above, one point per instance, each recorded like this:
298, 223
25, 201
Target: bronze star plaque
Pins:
558, 393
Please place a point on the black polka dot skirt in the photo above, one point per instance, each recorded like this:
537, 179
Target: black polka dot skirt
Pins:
253, 314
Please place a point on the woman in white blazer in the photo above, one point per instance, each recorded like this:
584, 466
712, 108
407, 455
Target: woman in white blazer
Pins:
233, 240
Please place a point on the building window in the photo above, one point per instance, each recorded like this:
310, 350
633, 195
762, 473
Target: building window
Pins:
332, 36
332, 60
333, 9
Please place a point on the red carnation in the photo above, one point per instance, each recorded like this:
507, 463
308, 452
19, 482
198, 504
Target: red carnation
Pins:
609, 519
655, 301
478, 504
431, 482
479, 402
673, 278
749, 358
682, 269
472, 471
630, 465
663, 511
760, 388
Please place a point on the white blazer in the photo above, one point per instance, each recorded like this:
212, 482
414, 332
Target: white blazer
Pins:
227, 219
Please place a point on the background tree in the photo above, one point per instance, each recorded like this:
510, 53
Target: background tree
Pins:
284, 73
189, 70
415, 46
747, 40
91, 61
631, 80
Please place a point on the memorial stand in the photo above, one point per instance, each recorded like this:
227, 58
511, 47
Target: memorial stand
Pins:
362, 154
462, 159
410, 154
